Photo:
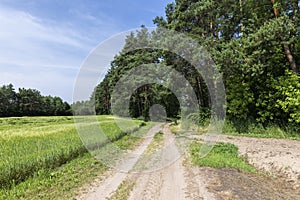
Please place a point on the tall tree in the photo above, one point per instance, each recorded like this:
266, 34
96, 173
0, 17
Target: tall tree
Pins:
8, 98
255, 45
252, 42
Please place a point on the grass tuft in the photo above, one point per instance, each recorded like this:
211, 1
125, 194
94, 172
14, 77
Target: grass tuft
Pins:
123, 190
223, 155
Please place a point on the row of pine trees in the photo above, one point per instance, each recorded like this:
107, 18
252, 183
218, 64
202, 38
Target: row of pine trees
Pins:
30, 102
254, 44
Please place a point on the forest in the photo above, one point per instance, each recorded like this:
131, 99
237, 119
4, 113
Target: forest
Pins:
254, 44
30, 102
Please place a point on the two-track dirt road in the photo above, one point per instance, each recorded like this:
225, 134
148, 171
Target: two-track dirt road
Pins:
166, 178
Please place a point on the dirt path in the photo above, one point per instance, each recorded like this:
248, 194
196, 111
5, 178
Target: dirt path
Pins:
167, 183
231, 184
106, 187
173, 181
166, 175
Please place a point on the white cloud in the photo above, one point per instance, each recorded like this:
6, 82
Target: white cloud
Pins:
20, 26
46, 53
25, 38
40, 54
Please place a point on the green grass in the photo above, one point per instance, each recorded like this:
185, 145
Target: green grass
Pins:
32, 144
129, 141
156, 143
158, 136
58, 183
21, 156
123, 191
251, 129
223, 155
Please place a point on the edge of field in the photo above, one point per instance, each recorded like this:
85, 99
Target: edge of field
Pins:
64, 181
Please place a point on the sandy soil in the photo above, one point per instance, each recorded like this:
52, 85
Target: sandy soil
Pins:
106, 186
178, 179
228, 184
173, 180
279, 157
170, 182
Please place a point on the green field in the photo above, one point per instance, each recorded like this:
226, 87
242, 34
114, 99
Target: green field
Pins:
32, 144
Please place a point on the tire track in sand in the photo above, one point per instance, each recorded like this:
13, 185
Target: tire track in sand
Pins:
111, 183
171, 182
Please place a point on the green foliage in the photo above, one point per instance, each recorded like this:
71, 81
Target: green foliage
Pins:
201, 118
288, 95
246, 41
29, 102
251, 128
223, 155
248, 48
133, 56
254, 44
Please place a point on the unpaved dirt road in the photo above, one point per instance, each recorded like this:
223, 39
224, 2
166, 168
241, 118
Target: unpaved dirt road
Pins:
116, 177
170, 182
178, 179
169, 179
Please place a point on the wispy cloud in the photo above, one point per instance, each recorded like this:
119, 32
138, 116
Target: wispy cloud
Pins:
37, 52
24, 37
44, 43
19, 25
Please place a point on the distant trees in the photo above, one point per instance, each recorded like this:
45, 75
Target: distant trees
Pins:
83, 108
30, 102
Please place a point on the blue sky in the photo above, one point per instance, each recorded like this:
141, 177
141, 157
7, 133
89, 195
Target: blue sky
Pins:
44, 42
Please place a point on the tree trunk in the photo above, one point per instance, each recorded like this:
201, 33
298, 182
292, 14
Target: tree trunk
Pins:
295, 10
275, 9
199, 91
242, 20
107, 100
287, 50
291, 59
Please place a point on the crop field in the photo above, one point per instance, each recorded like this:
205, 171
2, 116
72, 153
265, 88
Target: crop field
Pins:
30, 144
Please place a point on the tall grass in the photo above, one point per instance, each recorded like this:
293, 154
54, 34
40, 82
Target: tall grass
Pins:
29, 144
255, 129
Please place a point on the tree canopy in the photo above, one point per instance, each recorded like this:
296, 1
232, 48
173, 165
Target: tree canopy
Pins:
255, 45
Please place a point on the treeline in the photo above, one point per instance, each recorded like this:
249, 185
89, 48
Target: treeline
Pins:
30, 102
255, 45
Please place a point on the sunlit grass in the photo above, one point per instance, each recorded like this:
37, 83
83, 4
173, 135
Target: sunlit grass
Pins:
58, 183
223, 155
29, 144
